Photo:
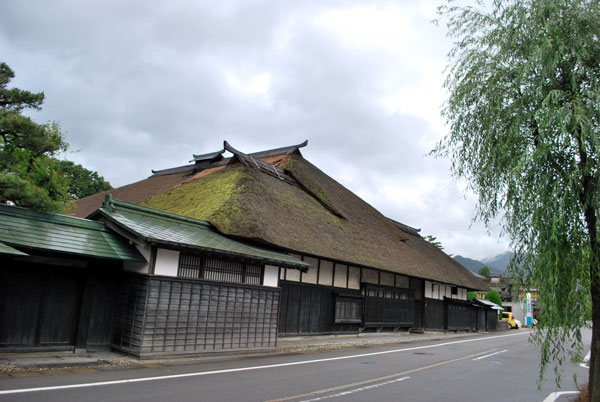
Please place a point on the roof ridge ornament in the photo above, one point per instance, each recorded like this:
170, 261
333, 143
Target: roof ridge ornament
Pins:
108, 202
249, 160
211, 156
228, 147
301, 145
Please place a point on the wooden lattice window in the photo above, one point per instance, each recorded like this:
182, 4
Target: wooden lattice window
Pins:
253, 274
348, 310
224, 271
193, 266
190, 266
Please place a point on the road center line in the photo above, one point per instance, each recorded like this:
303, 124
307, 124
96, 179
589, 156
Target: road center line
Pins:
372, 380
241, 369
355, 390
492, 354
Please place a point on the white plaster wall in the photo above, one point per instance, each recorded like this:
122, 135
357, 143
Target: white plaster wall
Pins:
139, 267
435, 290
310, 276
326, 273
428, 290
271, 276
353, 278
292, 275
167, 262
341, 275
440, 290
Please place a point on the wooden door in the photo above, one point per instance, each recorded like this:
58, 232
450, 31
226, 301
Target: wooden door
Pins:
39, 305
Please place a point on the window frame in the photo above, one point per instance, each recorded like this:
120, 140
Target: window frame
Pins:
249, 273
351, 309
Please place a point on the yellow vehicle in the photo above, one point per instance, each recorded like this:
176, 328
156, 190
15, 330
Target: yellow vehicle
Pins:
510, 320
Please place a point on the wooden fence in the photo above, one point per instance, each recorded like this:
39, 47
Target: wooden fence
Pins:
168, 316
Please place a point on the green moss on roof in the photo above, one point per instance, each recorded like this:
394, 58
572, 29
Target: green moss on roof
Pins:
245, 202
158, 226
208, 198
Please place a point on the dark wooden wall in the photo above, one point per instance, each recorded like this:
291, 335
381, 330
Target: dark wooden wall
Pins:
461, 316
389, 311
418, 285
310, 309
435, 315
168, 316
130, 312
51, 307
481, 319
492, 320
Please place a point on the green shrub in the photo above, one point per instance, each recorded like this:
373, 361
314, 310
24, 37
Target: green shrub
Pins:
494, 297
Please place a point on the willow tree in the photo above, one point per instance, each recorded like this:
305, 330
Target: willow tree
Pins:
524, 124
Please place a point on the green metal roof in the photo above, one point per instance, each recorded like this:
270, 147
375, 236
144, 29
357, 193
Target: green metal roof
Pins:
6, 249
23, 227
156, 226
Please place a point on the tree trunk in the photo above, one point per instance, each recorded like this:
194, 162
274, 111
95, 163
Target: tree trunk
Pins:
594, 381
587, 197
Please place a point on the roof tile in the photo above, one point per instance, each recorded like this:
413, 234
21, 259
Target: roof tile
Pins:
26, 228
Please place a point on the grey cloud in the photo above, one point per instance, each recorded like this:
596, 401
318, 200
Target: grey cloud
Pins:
140, 86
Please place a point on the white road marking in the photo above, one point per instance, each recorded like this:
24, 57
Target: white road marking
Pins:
555, 395
375, 380
240, 369
586, 360
491, 354
355, 390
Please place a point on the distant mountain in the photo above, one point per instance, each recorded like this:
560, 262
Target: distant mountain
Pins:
497, 264
468, 263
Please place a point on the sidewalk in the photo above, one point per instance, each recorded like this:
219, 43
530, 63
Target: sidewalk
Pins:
52, 363
332, 342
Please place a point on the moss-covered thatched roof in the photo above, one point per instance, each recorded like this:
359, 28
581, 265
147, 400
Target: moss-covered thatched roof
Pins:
306, 211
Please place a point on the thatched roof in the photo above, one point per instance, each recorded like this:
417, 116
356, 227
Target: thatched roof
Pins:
284, 201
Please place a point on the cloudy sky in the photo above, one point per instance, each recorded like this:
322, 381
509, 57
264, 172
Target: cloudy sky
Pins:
140, 85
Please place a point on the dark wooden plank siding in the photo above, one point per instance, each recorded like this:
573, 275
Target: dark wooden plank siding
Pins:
481, 319
283, 310
21, 293
306, 304
315, 310
418, 286
44, 306
492, 319
327, 310
293, 309
434, 315
389, 307
310, 309
461, 316
60, 308
373, 311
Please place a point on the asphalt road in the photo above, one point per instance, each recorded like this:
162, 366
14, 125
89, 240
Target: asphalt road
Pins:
501, 367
